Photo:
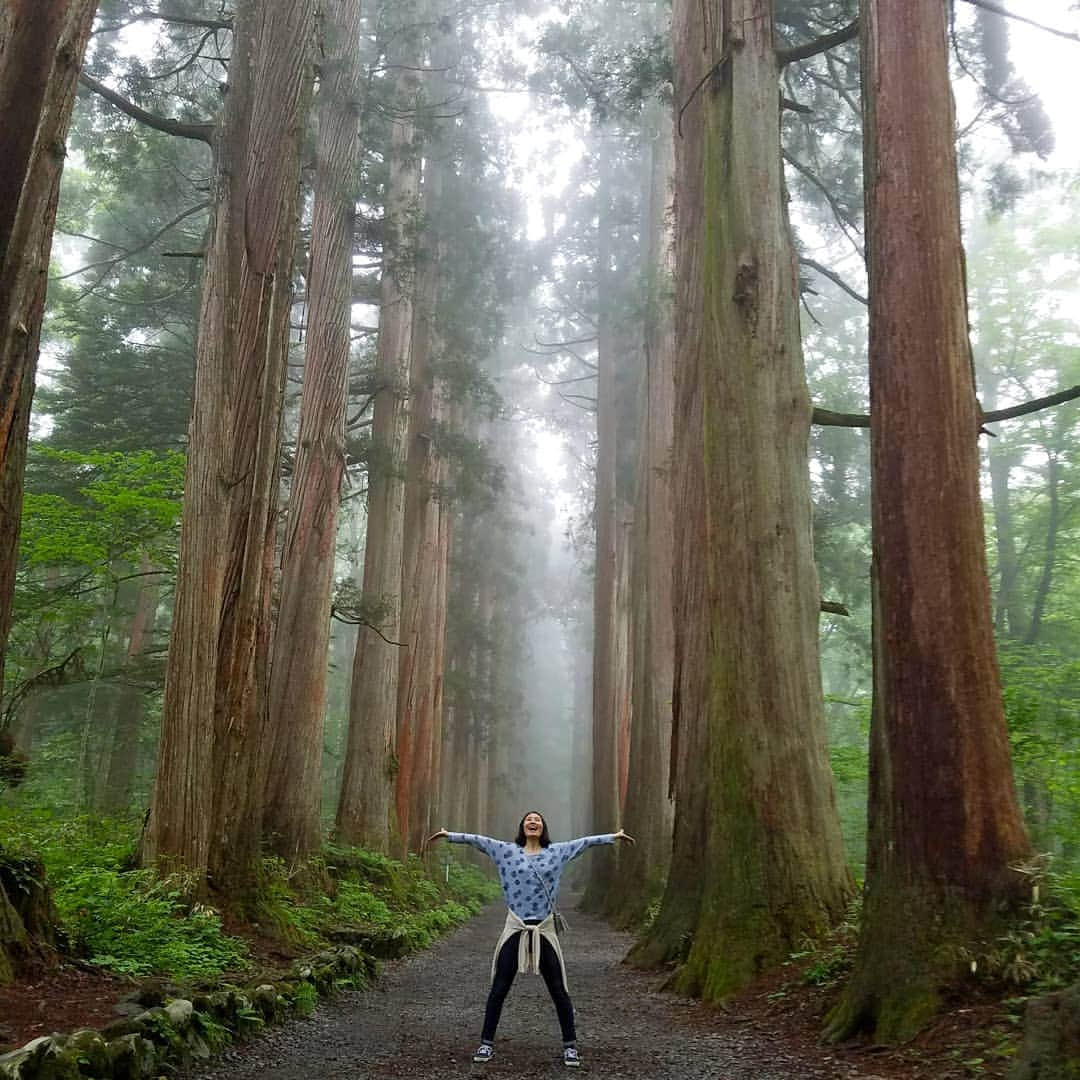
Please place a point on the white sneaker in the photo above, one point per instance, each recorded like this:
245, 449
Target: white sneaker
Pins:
570, 1057
484, 1052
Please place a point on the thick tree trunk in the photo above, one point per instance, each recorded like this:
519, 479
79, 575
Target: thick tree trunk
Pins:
944, 823
207, 806
42, 43
649, 812
757, 861
298, 674
366, 808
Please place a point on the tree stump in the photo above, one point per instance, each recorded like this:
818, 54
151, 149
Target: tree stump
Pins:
1051, 1047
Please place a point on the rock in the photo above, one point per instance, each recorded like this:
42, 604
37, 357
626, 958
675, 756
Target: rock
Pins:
59, 1061
179, 1013
89, 1051
116, 1029
265, 1000
22, 1064
1051, 1046
132, 1057
155, 992
155, 1025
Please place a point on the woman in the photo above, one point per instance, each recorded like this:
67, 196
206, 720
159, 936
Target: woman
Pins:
529, 870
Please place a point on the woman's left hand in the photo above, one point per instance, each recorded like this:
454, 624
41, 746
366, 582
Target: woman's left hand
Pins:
620, 835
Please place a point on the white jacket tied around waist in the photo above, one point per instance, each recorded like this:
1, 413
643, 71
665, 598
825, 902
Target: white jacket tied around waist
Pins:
529, 943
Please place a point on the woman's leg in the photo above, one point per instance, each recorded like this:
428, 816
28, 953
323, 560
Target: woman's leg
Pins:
505, 970
551, 969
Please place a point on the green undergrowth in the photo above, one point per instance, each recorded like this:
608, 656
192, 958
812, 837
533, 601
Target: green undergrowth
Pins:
373, 896
132, 922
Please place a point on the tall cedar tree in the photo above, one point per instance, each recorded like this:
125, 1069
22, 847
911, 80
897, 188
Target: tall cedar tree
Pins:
42, 43
207, 804
606, 807
298, 675
944, 826
427, 519
648, 811
757, 861
366, 806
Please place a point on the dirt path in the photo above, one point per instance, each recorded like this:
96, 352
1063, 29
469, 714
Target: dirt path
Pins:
422, 1022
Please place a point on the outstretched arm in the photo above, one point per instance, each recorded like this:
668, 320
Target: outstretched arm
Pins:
571, 849
486, 844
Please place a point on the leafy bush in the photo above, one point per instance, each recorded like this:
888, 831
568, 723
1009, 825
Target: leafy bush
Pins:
129, 921
135, 923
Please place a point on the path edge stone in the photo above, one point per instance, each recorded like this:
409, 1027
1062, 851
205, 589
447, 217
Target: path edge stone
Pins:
184, 1030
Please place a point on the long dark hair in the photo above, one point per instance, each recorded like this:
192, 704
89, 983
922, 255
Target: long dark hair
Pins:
520, 838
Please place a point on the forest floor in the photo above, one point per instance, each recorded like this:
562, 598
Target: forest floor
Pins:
421, 1020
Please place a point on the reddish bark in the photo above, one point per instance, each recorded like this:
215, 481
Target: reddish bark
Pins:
207, 805
42, 43
292, 818
366, 808
648, 810
945, 823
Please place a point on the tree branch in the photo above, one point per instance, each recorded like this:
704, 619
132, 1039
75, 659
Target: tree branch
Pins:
336, 614
838, 213
1037, 405
827, 418
127, 253
998, 9
818, 45
835, 278
834, 607
167, 16
562, 382
199, 132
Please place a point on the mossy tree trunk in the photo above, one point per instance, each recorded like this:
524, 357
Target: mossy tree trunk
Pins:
28, 920
944, 824
757, 861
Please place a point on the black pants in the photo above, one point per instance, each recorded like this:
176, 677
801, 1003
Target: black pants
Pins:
506, 969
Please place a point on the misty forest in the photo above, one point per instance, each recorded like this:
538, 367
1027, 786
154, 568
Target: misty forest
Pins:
660, 415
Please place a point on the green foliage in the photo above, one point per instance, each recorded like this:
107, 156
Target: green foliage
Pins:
824, 961
112, 506
1042, 703
128, 921
1041, 951
133, 922
378, 897
305, 999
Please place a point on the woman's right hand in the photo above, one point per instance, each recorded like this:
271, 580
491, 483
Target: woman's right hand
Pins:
436, 836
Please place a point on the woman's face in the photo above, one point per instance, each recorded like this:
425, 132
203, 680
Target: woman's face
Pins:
533, 825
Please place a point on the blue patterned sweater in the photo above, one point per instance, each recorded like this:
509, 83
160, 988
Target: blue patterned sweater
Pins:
520, 874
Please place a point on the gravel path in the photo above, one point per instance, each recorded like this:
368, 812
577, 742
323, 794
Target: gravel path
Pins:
422, 1019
